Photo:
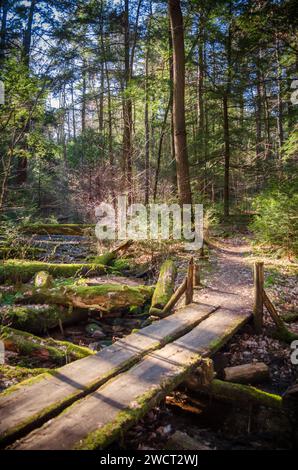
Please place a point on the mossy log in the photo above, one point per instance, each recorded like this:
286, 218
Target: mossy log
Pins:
109, 256
21, 252
105, 297
165, 286
59, 352
240, 395
57, 229
22, 271
253, 373
39, 318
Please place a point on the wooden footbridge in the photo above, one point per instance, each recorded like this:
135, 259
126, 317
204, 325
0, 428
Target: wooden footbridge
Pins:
89, 403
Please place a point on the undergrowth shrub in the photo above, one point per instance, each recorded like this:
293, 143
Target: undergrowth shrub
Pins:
276, 222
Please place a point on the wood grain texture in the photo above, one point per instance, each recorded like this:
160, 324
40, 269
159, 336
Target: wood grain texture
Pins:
97, 419
34, 401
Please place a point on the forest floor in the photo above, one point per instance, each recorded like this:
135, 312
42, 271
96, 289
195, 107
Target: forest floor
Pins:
227, 280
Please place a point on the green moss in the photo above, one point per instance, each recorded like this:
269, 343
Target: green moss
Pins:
283, 334
20, 373
33, 319
43, 279
105, 258
65, 404
218, 343
37, 419
106, 296
165, 285
99, 439
30, 345
120, 264
290, 317
25, 383
72, 350
21, 252
243, 393
22, 270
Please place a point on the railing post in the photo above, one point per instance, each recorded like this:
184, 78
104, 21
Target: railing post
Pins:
196, 275
189, 282
258, 296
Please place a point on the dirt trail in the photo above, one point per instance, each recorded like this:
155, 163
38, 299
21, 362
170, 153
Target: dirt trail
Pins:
230, 284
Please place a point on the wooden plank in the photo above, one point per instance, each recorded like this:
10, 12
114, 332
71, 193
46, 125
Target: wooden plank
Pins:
95, 421
30, 403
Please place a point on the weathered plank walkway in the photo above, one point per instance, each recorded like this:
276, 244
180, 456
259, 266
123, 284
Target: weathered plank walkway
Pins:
97, 419
28, 405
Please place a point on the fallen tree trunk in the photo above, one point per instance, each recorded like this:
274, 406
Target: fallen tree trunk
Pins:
171, 303
59, 352
21, 252
247, 373
109, 256
165, 286
57, 229
105, 297
240, 395
39, 318
22, 271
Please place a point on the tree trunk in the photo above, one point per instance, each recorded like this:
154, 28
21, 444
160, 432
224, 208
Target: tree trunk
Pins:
127, 108
280, 130
147, 128
104, 298
226, 123
28, 34
22, 162
5, 8
180, 142
84, 87
227, 156
73, 113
